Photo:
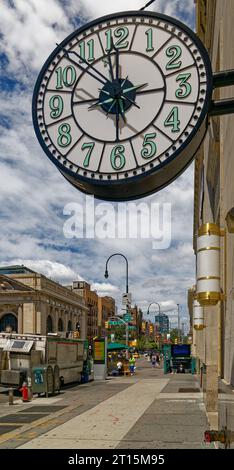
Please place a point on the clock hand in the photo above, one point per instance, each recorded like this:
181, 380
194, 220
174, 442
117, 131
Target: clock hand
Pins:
117, 63
99, 103
117, 121
153, 90
109, 110
110, 66
67, 53
124, 82
134, 88
121, 108
104, 91
130, 101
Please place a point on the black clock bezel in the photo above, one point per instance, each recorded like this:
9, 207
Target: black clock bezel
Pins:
87, 185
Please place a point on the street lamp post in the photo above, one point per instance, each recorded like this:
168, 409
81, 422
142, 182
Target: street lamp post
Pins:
127, 306
106, 271
182, 330
159, 309
178, 306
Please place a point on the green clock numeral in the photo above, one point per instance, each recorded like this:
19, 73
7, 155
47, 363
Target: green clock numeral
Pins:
149, 146
90, 146
174, 52
56, 106
108, 34
173, 120
64, 138
121, 33
117, 158
149, 34
66, 76
90, 45
185, 87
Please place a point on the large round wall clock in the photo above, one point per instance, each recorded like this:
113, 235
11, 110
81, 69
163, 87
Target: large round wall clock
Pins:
120, 106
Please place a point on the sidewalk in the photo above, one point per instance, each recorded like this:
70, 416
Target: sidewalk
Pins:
147, 411
175, 420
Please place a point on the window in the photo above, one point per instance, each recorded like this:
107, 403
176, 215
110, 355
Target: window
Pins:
69, 326
60, 325
49, 324
9, 323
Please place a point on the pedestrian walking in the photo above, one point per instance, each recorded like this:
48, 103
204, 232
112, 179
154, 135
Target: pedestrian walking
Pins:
157, 360
132, 364
153, 360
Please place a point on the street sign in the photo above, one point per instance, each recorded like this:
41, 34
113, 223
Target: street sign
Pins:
127, 299
116, 323
124, 132
127, 317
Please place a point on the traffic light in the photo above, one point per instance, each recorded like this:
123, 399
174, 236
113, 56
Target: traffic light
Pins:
176, 341
151, 329
106, 325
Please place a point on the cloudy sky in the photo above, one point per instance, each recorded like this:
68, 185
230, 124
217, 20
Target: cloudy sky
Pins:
33, 193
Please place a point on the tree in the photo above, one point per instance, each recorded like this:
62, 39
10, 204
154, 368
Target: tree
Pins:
144, 344
141, 343
120, 333
174, 334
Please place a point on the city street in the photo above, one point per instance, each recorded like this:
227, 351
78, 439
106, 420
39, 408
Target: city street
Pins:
147, 411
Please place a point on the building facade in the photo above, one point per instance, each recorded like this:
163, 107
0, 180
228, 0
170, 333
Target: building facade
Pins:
32, 303
106, 310
90, 297
213, 346
135, 324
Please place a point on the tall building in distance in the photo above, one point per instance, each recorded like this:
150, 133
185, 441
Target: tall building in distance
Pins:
162, 323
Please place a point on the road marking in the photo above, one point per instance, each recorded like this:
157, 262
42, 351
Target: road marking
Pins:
111, 420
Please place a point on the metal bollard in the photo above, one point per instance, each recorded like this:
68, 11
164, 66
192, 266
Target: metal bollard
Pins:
11, 396
30, 394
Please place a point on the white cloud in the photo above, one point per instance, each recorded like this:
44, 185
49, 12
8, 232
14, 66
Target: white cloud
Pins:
53, 270
94, 9
104, 288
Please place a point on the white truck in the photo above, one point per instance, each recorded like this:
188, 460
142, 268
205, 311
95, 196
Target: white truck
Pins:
19, 353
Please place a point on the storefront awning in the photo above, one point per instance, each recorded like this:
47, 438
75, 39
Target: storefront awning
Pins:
116, 346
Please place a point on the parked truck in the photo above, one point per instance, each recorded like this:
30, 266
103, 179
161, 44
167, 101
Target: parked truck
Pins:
20, 353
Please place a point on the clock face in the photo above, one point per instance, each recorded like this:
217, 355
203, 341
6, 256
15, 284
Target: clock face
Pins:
121, 105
